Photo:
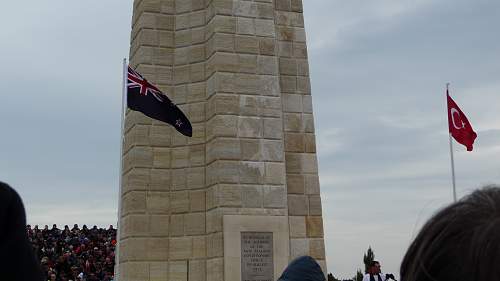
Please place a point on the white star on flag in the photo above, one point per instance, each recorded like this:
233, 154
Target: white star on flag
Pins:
178, 123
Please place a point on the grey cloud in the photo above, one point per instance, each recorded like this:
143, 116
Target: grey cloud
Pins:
378, 82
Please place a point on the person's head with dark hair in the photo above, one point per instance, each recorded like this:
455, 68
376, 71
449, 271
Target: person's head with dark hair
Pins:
17, 258
374, 267
461, 242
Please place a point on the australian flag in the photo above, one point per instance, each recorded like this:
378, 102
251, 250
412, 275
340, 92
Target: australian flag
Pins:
145, 97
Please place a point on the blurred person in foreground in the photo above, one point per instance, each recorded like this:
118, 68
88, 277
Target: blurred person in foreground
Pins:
17, 258
304, 268
460, 242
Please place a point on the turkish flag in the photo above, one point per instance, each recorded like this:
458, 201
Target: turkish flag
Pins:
459, 126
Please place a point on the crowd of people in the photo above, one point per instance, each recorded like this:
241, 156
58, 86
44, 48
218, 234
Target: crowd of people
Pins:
74, 254
460, 242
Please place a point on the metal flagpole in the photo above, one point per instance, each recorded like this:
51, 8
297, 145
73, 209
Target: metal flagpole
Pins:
453, 171
124, 106
452, 160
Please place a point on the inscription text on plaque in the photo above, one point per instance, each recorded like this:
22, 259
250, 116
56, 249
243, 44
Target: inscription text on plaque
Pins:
257, 256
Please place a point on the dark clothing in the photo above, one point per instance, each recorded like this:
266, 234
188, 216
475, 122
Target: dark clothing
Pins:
303, 268
17, 259
372, 277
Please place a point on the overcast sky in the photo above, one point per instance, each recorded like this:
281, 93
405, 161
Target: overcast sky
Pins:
378, 71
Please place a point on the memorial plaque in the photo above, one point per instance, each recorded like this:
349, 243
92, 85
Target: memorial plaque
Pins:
257, 256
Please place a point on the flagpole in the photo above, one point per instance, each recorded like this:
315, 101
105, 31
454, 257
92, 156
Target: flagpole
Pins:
122, 139
453, 171
452, 160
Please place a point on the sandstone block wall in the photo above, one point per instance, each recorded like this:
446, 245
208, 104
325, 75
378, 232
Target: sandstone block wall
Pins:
239, 70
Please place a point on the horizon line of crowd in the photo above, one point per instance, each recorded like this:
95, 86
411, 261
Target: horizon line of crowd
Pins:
74, 254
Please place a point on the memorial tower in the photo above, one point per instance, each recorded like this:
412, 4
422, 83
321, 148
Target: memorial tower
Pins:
241, 198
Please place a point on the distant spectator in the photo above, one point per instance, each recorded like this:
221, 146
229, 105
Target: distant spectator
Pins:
17, 258
375, 273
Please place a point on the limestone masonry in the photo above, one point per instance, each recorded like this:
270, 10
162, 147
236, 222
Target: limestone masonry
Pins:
239, 71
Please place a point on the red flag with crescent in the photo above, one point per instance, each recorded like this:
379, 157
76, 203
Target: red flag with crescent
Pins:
459, 126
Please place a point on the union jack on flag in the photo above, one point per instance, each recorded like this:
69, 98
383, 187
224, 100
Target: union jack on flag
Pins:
135, 80
147, 98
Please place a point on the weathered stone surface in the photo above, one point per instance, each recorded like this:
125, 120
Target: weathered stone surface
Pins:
135, 270
249, 105
275, 173
245, 26
298, 205
195, 177
272, 150
246, 44
136, 179
134, 202
223, 149
317, 248
250, 127
215, 269
134, 225
315, 205
215, 245
228, 195
314, 226
177, 270
194, 223
138, 157
312, 184
273, 128
199, 247
179, 179
267, 46
310, 143
158, 202
180, 248
294, 142
251, 172
179, 201
252, 196
222, 126
197, 200
239, 71
159, 225
297, 226
295, 184
274, 197
158, 248
197, 270
299, 247
158, 271
214, 221
176, 225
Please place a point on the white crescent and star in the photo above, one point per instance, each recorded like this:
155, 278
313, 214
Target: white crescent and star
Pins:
453, 111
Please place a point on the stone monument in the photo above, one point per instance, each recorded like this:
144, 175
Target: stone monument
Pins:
241, 198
